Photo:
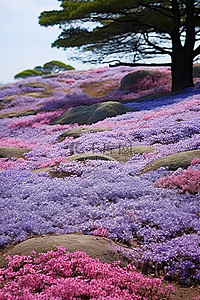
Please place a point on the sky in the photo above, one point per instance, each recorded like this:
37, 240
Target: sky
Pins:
24, 43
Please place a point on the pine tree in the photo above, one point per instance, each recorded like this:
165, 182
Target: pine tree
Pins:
136, 28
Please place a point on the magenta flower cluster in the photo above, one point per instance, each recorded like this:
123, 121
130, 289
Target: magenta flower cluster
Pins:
101, 231
64, 275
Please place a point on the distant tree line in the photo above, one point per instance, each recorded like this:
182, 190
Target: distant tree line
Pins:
50, 67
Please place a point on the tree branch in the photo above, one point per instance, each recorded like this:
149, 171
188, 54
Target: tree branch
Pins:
141, 64
158, 10
196, 51
158, 48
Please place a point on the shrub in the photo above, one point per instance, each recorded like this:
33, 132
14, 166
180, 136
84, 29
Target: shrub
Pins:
186, 181
75, 275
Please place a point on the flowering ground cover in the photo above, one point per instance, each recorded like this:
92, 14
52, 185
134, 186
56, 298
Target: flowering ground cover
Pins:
65, 275
160, 209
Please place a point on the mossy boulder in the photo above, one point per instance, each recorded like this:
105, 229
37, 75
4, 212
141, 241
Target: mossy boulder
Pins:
89, 155
94, 246
173, 161
91, 114
78, 131
125, 153
132, 78
9, 152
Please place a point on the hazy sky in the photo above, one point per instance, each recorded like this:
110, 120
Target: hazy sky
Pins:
24, 43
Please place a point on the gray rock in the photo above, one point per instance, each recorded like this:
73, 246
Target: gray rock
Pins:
132, 78
12, 152
78, 131
94, 246
93, 113
173, 161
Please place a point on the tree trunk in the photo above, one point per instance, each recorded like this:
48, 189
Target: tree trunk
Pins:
182, 69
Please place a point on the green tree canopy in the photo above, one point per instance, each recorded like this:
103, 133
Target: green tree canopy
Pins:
56, 66
135, 28
50, 67
27, 73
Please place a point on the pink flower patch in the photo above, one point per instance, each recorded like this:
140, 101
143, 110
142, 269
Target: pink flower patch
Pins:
101, 231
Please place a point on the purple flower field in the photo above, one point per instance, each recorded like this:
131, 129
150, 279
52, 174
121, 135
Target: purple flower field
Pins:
160, 209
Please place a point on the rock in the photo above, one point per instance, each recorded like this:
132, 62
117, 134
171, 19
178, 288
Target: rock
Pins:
44, 94
91, 114
89, 155
8, 98
37, 84
119, 154
94, 246
22, 113
47, 92
12, 152
64, 90
196, 70
79, 157
173, 161
51, 75
5, 100
99, 89
46, 169
4, 86
78, 131
132, 78
125, 153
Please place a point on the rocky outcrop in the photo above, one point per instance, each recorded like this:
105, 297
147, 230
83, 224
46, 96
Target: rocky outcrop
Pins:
36, 85
119, 154
89, 155
22, 113
9, 152
99, 89
173, 161
132, 78
93, 113
94, 246
78, 131
125, 153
